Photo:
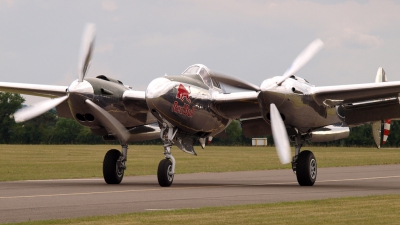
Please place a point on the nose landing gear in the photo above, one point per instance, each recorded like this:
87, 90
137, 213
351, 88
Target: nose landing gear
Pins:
166, 167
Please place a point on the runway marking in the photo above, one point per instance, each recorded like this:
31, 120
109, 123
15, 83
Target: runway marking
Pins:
173, 188
72, 179
355, 179
103, 192
350, 179
159, 209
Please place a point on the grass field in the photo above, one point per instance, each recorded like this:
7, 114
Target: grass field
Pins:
21, 162
29, 162
381, 209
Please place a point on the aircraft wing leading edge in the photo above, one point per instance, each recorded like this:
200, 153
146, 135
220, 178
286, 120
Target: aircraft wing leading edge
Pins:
346, 94
361, 103
48, 91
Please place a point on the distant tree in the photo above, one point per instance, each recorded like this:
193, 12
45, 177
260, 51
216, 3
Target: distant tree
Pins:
9, 103
38, 130
66, 131
360, 136
234, 134
86, 136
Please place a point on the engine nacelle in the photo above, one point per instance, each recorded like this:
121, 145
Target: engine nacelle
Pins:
329, 133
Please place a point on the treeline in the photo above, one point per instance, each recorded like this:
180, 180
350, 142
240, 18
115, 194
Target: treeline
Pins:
44, 129
49, 129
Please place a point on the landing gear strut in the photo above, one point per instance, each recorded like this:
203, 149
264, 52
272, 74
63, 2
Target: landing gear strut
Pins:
166, 167
304, 164
114, 165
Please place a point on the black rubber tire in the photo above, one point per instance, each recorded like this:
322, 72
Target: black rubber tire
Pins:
306, 168
164, 167
111, 173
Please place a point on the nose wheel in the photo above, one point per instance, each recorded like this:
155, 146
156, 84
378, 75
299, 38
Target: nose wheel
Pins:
165, 174
166, 167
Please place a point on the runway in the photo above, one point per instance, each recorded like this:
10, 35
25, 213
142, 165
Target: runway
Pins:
55, 199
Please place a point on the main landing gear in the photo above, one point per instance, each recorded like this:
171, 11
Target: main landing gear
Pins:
304, 164
114, 165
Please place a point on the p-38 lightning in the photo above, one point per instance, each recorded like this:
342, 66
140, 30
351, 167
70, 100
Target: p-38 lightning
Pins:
193, 106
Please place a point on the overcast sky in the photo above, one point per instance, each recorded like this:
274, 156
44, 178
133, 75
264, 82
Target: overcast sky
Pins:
138, 41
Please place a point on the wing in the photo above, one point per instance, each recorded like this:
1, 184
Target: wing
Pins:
244, 107
135, 100
135, 104
361, 103
239, 105
49, 91
345, 94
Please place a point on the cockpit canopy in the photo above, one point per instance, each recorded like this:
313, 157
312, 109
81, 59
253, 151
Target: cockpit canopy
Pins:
204, 74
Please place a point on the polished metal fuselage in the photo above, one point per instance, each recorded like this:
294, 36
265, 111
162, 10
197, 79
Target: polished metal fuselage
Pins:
185, 102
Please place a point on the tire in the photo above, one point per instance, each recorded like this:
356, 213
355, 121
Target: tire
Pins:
164, 178
306, 168
111, 172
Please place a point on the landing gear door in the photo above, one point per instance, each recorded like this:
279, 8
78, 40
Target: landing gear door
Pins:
185, 144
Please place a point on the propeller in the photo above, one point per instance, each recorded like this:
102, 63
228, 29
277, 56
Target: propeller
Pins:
38, 109
303, 58
308, 53
280, 136
108, 121
86, 50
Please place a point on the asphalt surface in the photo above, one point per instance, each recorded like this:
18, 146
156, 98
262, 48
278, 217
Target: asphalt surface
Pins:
54, 199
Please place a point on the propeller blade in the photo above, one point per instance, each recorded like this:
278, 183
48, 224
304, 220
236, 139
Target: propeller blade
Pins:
37, 109
86, 50
280, 136
233, 81
308, 53
108, 121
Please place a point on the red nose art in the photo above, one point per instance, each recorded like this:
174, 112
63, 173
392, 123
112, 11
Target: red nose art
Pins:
184, 109
183, 93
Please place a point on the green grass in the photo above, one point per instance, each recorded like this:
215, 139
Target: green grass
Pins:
29, 162
382, 209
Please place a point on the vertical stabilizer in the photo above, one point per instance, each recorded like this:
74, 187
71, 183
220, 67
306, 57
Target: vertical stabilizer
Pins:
380, 76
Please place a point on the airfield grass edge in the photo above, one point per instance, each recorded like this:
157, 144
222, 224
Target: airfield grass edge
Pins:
37, 162
377, 209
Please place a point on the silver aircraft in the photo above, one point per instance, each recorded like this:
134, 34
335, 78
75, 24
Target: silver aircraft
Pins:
193, 106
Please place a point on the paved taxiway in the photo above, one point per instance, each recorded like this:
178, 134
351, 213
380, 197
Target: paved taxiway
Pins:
51, 199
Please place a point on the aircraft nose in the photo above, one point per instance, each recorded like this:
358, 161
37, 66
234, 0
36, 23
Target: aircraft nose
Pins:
159, 87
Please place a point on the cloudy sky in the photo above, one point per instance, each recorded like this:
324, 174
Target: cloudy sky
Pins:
138, 41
